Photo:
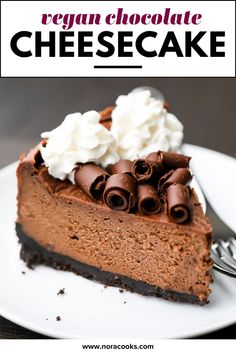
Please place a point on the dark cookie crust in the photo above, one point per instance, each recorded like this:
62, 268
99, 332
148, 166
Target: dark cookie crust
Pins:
33, 254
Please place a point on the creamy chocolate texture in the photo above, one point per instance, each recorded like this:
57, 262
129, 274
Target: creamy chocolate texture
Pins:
149, 249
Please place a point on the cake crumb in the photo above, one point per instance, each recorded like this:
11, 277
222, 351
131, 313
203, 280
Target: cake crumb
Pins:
58, 318
46, 319
105, 286
124, 302
23, 272
61, 291
121, 290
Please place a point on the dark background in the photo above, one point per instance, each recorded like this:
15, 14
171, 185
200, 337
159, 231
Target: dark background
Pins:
206, 107
30, 106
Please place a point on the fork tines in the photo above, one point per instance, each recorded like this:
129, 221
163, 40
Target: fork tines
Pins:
224, 256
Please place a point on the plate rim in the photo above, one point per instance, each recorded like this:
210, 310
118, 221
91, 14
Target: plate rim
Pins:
58, 334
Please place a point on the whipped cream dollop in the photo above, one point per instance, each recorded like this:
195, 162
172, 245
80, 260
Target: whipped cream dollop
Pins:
79, 139
141, 125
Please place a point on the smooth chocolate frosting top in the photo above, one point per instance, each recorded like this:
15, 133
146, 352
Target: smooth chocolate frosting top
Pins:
67, 190
121, 190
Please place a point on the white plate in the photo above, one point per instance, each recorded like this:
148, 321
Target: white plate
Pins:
87, 309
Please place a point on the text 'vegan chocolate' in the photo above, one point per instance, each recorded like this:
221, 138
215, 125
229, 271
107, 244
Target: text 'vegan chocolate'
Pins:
148, 200
120, 192
178, 203
173, 160
92, 179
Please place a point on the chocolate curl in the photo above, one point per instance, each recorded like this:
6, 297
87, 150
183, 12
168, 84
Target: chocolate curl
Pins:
178, 203
173, 160
92, 179
122, 166
181, 175
44, 142
120, 192
38, 160
145, 169
105, 117
148, 201
166, 105
153, 157
164, 178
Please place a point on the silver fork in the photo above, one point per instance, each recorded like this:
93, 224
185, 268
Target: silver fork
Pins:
224, 256
223, 250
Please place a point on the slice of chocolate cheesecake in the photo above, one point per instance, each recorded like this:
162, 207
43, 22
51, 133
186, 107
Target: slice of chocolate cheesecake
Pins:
152, 253
106, 196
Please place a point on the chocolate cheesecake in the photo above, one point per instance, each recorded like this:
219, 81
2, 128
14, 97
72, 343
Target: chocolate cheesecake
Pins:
135, 224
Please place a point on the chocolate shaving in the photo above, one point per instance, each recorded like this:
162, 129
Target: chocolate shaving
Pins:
173, 160
92, 179
122, 166
44, 142
148, 201
38, 157
153, 157
178, 203
166, 105
120, 192
164, 178
105, 117
38, 160
181, 175
145, 169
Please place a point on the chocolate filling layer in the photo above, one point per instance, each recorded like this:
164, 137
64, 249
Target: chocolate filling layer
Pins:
33, 254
